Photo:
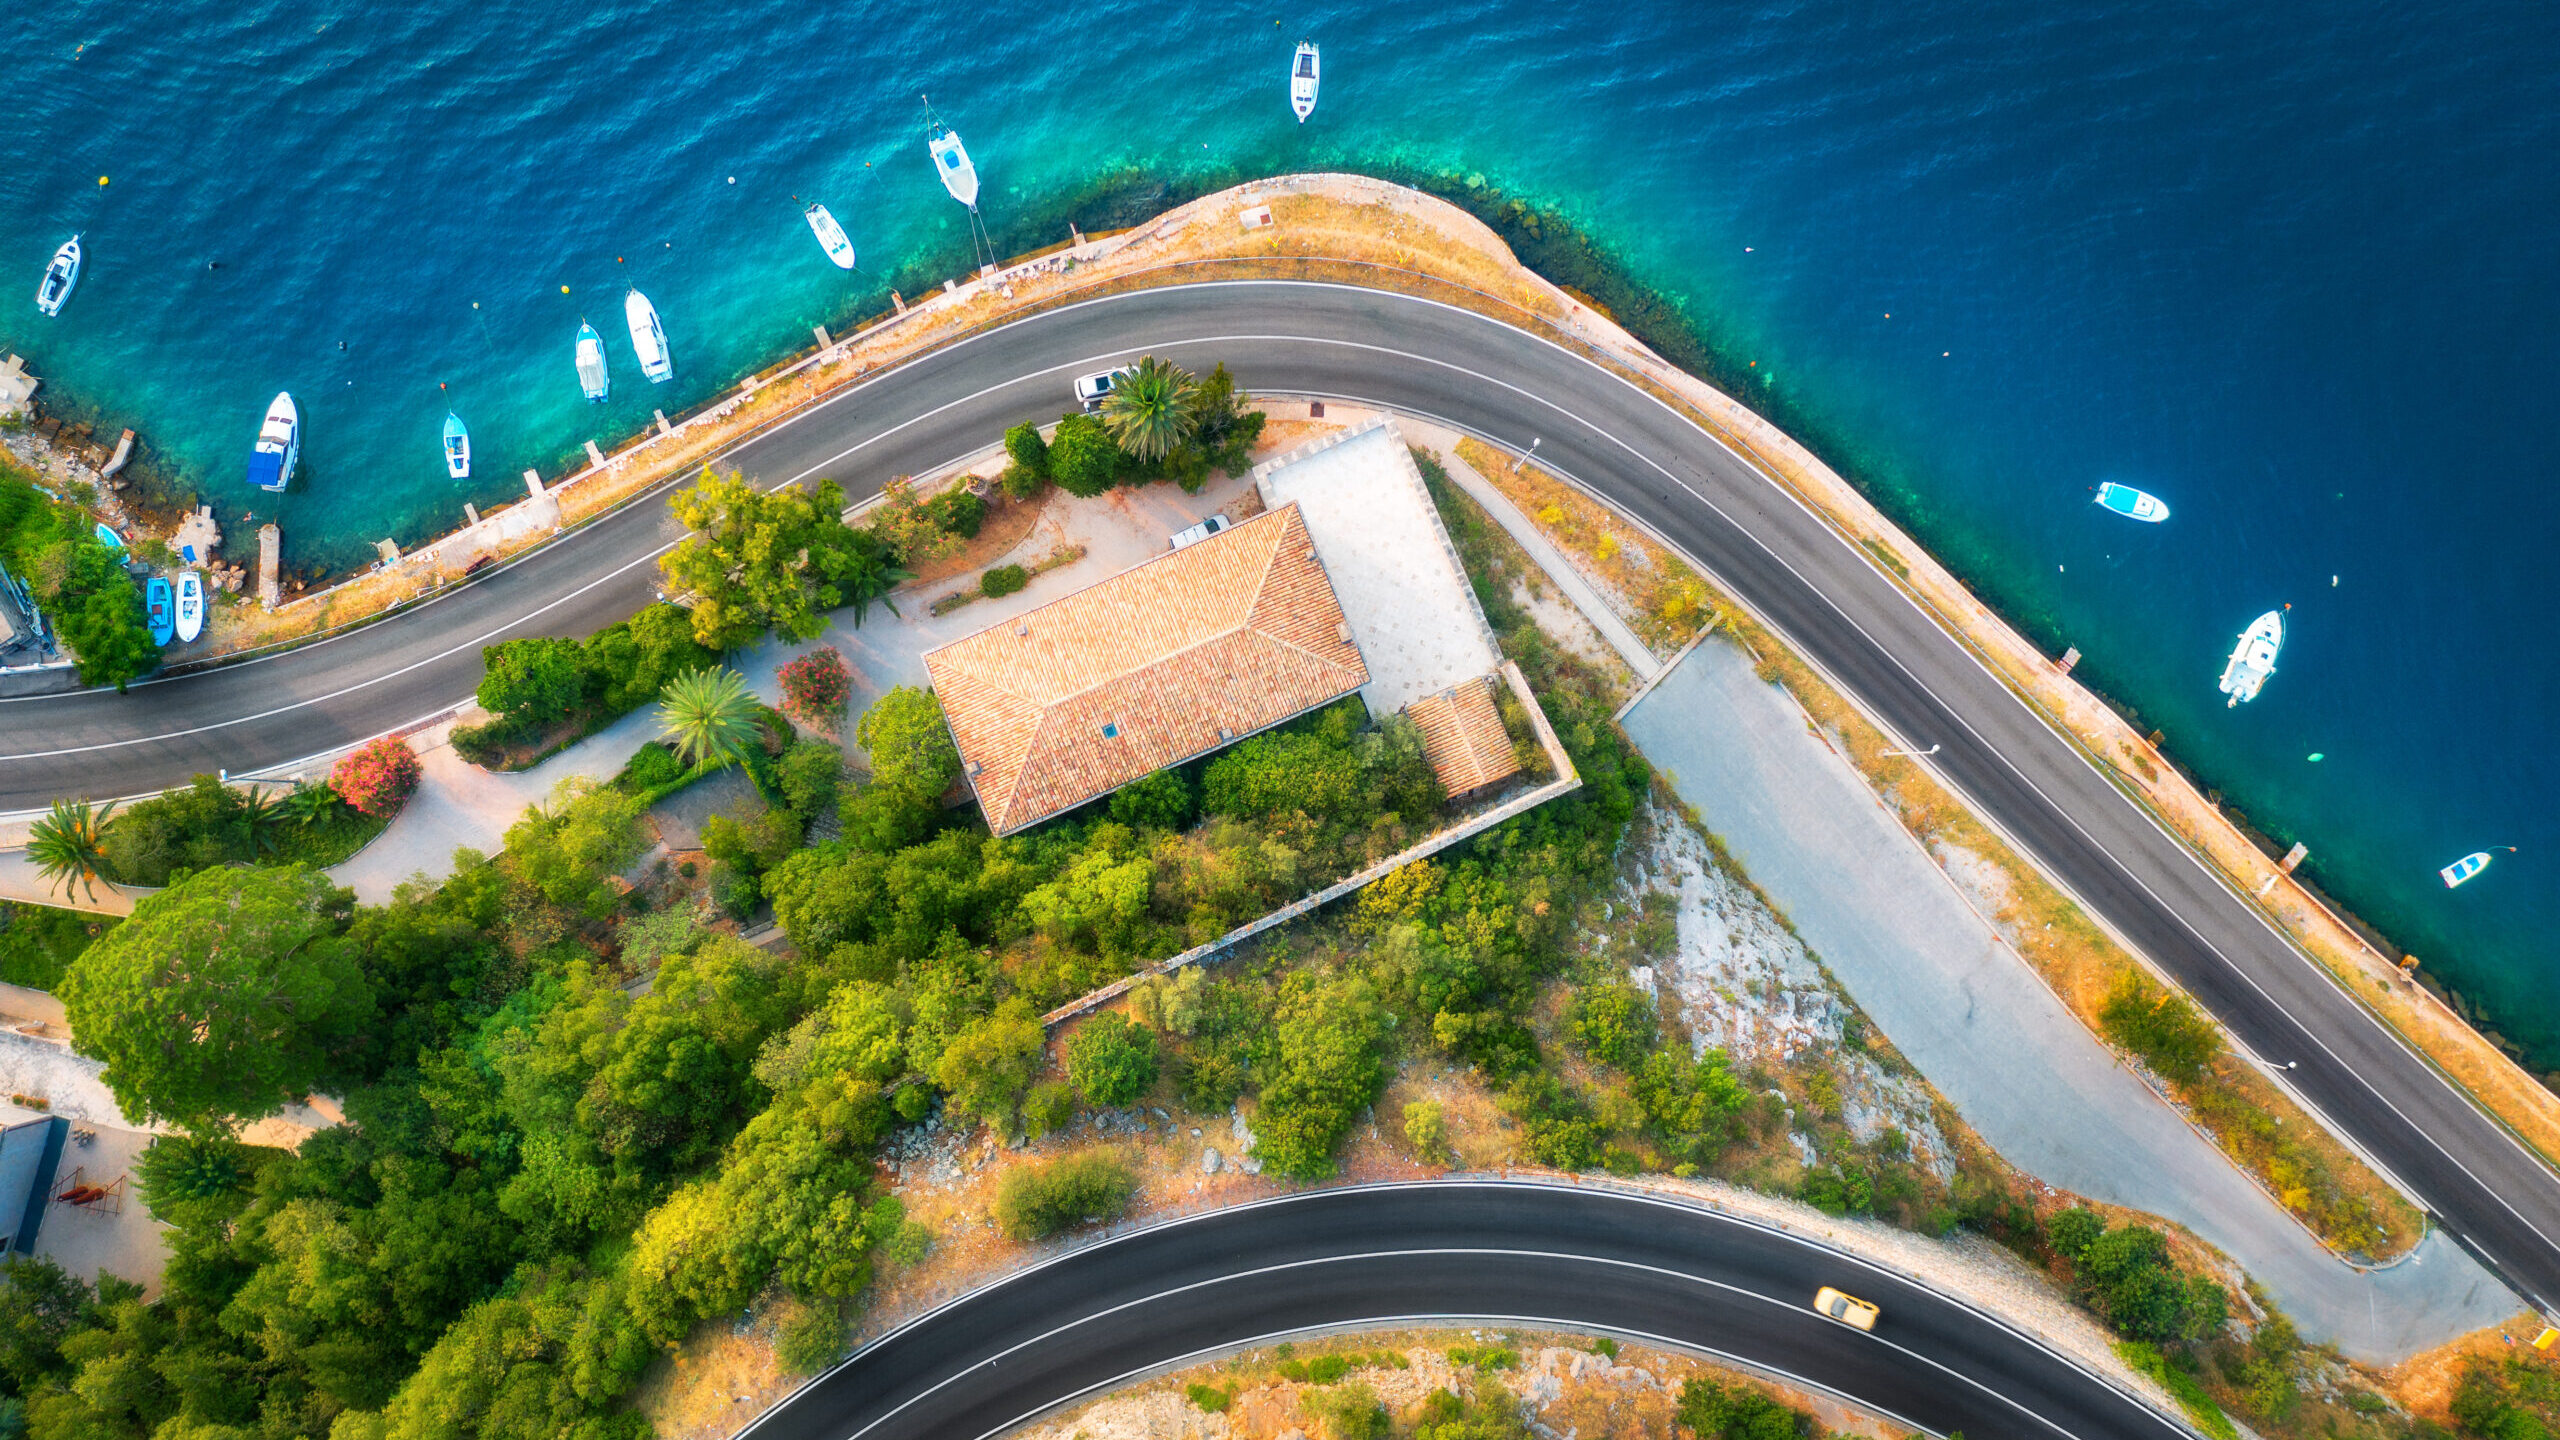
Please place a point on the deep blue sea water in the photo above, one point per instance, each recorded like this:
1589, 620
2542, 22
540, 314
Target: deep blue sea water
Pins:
2290, 267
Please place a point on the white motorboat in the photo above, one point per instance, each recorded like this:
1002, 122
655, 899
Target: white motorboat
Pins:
59, 277
457, 447
2133, 504
593, 378
2468, 866
951, 159
2253, 659
279, 447
830, 236
649, 338
190, 605
1306, 73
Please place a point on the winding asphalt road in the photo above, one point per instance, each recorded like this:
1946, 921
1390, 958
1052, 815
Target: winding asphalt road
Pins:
1505, 1252
1822, 594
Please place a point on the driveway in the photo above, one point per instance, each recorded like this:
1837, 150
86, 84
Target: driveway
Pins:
1983, 1027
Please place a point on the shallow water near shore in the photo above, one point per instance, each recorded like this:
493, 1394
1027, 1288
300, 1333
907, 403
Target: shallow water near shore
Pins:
1982, 257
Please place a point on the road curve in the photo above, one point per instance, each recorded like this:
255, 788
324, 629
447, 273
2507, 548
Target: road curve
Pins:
1823, 595
1505, 1251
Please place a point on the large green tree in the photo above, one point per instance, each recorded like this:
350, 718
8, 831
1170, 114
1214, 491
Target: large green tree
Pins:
534, 681
1083, 458
222, 997
760, 560
909, 742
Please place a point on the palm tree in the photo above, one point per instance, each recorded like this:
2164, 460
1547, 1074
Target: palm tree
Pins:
69, 845
262, 815
708, 714
870, 572
1149, 411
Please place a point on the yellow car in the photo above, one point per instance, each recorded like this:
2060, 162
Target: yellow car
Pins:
1847, 1309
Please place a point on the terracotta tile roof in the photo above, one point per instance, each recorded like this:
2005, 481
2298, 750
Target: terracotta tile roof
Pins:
1163, 662
1463, 737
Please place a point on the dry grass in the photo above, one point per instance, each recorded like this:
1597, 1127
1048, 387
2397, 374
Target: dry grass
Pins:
1664, 601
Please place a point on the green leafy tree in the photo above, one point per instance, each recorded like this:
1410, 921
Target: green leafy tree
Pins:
1224, 431
109, 636
708, 715
1024, 447
1737, 1412
810, 776
760, 560
1112, 1061
1083, 458
991, 1061
1149, 409
566, 849
1325, 1069
533, 682
909, 743
68, 845
222, 997
627, 662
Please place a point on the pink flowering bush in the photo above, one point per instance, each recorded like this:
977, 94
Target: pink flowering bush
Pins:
814, 689
377, 778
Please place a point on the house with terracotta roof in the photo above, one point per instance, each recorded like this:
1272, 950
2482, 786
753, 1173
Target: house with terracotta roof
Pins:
1158, 665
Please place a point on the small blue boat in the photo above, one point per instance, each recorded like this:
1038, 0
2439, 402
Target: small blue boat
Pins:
161, 604
109, 538
592, 375
457, 447
2131, 503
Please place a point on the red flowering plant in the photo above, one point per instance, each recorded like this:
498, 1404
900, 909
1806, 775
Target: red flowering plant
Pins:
815, 687
377, 778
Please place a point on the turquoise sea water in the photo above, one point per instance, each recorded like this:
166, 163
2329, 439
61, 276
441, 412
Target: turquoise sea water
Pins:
2288, 267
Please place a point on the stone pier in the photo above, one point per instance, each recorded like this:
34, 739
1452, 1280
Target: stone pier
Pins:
270, 565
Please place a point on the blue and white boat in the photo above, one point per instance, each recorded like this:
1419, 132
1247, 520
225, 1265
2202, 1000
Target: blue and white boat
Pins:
2253, 659
190, 605
649, 338
59, 277
279, 447
951, 159
822, 223
457, 447
2133, 504
592, 376
159, 606
2464, 868
107, 536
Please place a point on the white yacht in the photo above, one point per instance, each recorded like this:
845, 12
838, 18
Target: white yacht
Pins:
59, 277
279, 447
2133, 504
457, 447
2253, 659
649, 338
593, 378
830, 236
1306, 72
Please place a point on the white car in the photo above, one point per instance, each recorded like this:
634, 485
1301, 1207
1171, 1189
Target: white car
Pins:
1202, 531
1090, 389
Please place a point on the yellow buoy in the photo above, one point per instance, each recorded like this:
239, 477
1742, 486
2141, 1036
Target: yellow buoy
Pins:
102, 179
564, 289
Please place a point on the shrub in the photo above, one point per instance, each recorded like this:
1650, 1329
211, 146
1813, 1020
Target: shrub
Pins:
1020, 482
809, 1336
1034, 1202
1208, 1397
1112, 1061
377, 779
2164, 1029
815, 687
650, 767
1613, 1024
1161, 801
1349, 1412
483, 745
1003, 580
1426, 1129
958, 512
733, 889
534, 682
1738, 1412
1047, 1107
913, 1240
